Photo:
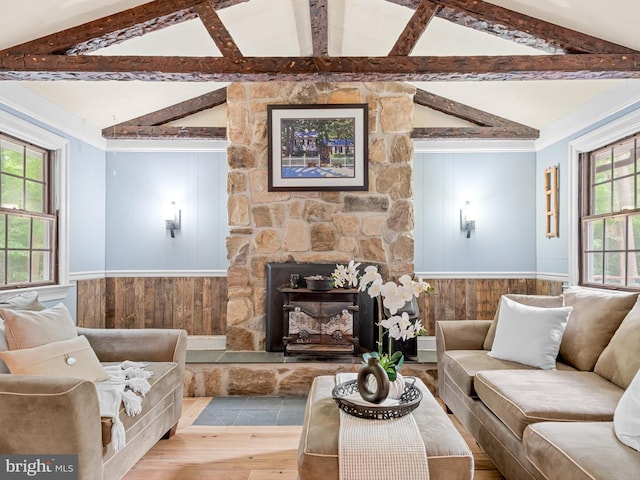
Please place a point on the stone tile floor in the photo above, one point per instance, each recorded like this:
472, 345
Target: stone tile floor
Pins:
240, 410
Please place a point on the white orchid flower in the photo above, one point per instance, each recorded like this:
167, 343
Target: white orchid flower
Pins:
375, 288
370, 275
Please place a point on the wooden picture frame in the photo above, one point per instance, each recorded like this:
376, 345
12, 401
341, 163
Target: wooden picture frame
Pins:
318, 147
552, 220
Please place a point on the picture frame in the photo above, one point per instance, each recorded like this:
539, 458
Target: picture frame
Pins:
318, 147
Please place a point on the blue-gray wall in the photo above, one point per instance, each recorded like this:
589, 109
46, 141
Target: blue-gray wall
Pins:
501, 188
140, 184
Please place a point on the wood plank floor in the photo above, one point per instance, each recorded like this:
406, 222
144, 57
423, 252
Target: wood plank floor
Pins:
243, 453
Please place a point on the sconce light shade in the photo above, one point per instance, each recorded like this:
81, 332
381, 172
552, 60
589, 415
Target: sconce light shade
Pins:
467, 219
172, 217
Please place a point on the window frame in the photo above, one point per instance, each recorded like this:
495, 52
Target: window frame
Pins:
611, 133
59, 147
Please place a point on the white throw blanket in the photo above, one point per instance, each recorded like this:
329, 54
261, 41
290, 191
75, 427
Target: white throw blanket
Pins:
127, 384
380, 449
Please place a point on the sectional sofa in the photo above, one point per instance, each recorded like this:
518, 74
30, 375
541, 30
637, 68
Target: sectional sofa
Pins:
551, 423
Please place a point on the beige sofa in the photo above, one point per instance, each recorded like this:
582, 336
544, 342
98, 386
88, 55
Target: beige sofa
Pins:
60, 415
555, 423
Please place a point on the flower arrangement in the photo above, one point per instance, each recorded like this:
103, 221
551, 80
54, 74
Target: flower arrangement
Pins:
391, 296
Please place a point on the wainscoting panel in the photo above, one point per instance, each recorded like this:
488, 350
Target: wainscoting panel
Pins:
196, 304
476, 299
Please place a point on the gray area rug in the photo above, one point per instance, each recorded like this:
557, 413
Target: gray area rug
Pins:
228, 411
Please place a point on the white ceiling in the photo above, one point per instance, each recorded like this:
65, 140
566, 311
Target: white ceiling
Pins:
356, 27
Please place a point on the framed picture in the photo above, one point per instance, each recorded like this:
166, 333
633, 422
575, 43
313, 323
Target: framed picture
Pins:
318, 147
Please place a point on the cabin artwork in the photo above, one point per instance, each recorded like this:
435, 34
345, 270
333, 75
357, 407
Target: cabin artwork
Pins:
313, 148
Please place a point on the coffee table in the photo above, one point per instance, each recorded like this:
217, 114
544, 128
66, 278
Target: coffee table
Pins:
448, 454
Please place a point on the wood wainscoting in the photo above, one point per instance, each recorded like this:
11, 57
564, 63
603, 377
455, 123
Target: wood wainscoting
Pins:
199, 304
476, 299
196, 304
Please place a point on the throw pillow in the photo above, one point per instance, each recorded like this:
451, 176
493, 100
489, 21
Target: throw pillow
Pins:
23, 301
626, 422
620, 361
529, 335
66, 358
27, 329
3, 346
546, 301
596, 316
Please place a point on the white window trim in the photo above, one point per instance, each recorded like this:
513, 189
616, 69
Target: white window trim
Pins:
613, 131
31, 133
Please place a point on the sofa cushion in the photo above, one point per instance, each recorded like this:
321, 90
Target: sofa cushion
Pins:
579, 451
23, 301
521, 397
67, 358
462, 365
626, 420
620, 361
28, 329
529, 335
596, 316
543, 301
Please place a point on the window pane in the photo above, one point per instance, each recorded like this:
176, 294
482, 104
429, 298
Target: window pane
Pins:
12, 195
594, 234
19, 232
633, 277
18, 266
614, 268
601, 199
615, 233
12, 158
35, 164
623, 159
623, 194
2, 231
3, 280
593, 267
634, 233
35, 197
601, 166
41, 236
40, 266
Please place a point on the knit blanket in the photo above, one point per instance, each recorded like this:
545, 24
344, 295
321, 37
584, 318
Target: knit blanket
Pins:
127, 384
380, 449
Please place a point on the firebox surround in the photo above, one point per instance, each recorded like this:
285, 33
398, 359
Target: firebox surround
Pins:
277, 276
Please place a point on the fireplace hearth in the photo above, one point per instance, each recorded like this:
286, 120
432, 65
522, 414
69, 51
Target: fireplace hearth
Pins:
300, 321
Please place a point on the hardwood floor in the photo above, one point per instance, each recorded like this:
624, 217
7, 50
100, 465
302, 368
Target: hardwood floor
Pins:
243, 453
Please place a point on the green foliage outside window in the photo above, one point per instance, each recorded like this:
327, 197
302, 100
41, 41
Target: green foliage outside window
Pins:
27, 222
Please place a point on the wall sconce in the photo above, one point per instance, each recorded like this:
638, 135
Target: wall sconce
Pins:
172, 216
467, 219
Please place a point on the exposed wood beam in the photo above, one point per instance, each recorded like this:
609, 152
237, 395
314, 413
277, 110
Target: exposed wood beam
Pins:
149, 132
220, 69
181, 110
488, 125
414, 28
319, 27
495, 133
218, 32
112, 29
459, 110
518, 27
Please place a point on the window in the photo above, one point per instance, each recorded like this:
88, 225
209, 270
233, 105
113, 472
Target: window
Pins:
610, 215
28, 222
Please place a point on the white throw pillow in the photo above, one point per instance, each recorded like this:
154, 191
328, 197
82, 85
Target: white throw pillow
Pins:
529, 335
626, 422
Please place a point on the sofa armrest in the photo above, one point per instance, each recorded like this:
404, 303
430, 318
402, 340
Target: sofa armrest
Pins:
138, 345
461, 334
51, 415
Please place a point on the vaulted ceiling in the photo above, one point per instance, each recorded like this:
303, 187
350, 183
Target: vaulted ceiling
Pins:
503, 67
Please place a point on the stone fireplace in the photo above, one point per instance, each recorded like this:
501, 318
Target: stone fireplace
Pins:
313, 227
